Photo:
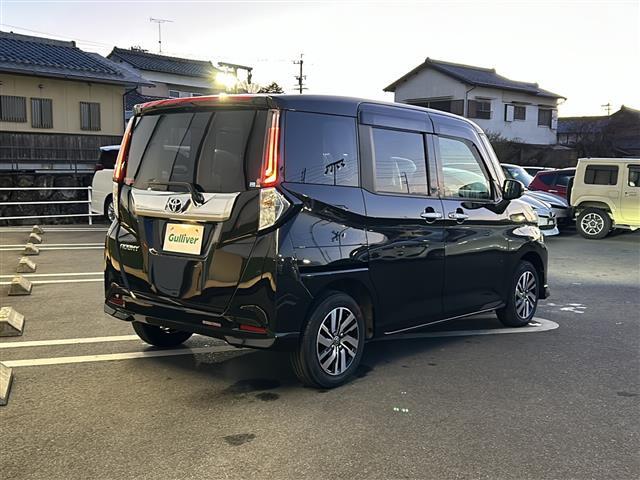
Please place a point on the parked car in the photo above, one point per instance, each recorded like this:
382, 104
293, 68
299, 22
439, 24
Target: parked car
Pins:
102, 183
559, 205
546, 218
606, 195
313, 224
534, 170
553, 181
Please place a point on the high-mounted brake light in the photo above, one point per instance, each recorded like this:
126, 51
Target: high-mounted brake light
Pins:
121, 162
271, 162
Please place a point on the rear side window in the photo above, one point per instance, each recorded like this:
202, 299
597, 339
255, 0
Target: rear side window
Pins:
219, 151
321, 149
546, 179
108, 158
399, 162
634, 176
601, 175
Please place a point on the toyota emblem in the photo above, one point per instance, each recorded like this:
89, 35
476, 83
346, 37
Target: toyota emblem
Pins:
174, 205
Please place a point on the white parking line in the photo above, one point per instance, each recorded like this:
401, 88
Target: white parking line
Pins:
2, 249
544, 325
71, 280
30, 275
32, 362
69, 341
53, 230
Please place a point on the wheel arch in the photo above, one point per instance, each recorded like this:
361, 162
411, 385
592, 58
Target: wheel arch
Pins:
596, 203
360, 293
535, 259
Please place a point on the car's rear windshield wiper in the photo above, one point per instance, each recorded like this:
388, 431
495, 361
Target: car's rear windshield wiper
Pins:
193, 188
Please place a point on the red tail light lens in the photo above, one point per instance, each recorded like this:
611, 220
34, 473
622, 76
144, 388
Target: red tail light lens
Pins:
252, 329
121, 162
271, 162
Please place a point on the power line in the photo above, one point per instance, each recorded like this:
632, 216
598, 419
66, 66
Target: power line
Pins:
56, 35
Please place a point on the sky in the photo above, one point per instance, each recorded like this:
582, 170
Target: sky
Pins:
587, 51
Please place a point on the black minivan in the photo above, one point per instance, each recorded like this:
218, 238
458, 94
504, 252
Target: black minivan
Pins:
313, 224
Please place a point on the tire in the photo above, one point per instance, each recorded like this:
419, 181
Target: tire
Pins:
160, 337
593, 223
109, 213
523, 297
331, 346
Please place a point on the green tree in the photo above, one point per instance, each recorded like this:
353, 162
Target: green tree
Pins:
273, 87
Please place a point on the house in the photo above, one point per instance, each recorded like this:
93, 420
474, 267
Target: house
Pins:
512, 109
617, 134
58, 103
169, 77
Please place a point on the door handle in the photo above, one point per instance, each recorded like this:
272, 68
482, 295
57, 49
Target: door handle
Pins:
458, 216
630, 194
431, 216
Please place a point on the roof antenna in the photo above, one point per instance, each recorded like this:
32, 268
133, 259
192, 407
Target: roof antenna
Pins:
160, 21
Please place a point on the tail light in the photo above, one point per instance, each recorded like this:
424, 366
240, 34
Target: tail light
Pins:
120, 168
121, 162
271, 162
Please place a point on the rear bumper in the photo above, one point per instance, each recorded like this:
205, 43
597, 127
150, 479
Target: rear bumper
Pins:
201, 323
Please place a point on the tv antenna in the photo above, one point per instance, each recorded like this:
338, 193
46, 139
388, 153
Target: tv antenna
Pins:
300, 78
159, 21
607, 106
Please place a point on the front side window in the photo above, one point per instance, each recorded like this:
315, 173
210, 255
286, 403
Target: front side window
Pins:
399, 162
462, 170
321, 149
601, 175
90, 116
634, 176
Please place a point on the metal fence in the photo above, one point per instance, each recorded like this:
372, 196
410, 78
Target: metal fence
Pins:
51, 202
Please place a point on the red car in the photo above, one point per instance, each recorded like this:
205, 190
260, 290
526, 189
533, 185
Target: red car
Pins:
553, 181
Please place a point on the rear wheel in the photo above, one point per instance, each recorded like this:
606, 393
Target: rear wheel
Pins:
523, 297
593, 223
332, 343
160, 336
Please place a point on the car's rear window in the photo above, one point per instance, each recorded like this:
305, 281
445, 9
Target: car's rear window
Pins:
220, 151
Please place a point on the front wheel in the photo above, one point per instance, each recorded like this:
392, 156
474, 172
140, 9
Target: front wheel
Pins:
332, 343
523, 297
593, 223
160, 336
109, 211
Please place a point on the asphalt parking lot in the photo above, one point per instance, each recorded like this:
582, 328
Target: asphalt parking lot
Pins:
465, 400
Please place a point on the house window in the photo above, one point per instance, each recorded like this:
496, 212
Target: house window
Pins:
544, 117
41, 113
90, 116
452, 106
519, 112
479, 109
174, 93
13, 109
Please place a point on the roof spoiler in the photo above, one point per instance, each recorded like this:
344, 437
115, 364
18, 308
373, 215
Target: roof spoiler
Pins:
260, 101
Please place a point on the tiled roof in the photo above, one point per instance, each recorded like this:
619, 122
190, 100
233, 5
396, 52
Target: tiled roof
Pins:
482, 77
55, 58
160, 63
134, 98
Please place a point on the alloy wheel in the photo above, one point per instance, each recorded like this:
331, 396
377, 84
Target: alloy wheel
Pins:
526, 294
111, 213
592, 224
337, 341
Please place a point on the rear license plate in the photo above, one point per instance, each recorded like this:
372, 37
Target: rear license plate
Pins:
183, 238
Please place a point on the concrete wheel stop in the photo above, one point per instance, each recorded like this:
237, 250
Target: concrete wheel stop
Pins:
37, 230
6, 377
20, 286
31, 249
26, 265
11, 322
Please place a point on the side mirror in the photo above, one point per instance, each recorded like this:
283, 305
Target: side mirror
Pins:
512, 189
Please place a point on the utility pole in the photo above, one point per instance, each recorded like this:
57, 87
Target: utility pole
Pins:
608, 107
300, 78
159, 21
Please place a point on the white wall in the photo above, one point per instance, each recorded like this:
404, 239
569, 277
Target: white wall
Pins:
431, 84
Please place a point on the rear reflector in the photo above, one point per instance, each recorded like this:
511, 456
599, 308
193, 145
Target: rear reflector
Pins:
252, 329
117, 300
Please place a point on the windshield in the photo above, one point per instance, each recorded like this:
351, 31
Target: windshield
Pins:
219, 151
515, 172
